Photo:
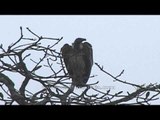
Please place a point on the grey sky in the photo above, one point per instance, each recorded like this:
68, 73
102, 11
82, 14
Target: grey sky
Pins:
129, 42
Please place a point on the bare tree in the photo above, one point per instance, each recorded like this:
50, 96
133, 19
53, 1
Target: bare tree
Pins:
57, 88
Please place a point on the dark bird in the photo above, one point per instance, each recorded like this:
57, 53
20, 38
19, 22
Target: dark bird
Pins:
78, 60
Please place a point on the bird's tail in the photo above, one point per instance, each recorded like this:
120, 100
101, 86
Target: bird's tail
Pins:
79, 81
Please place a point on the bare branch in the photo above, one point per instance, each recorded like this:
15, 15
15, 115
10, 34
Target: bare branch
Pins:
57, 87
115, 78
32, 32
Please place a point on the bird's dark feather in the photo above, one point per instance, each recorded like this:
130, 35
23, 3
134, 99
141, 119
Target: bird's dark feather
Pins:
78, 63
66, 54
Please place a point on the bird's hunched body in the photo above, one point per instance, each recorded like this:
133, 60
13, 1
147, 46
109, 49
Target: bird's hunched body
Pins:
78, 60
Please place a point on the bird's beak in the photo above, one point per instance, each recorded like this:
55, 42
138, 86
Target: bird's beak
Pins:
83, 39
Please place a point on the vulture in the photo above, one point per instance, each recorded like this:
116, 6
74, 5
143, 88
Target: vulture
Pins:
78, 59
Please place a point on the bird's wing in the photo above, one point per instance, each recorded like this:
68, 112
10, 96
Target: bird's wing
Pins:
66, 51
88, 58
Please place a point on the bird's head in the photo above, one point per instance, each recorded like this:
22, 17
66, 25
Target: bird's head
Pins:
78, 43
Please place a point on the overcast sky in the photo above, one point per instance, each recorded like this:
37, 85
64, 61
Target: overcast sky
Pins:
129, 42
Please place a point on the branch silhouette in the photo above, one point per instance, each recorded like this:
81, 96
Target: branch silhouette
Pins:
57, 88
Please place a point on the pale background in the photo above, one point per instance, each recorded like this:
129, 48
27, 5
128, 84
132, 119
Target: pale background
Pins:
129, 42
